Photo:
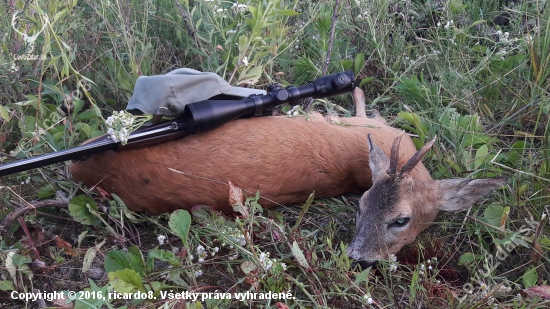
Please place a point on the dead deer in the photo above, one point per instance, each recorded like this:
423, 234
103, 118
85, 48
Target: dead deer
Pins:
286, 159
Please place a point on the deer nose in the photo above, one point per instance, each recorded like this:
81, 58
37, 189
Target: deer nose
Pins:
359, 262
354, 254
363, 264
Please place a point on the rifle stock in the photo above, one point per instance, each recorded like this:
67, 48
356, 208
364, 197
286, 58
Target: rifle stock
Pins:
197, 117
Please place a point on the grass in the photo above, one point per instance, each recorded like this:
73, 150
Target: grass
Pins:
444, 68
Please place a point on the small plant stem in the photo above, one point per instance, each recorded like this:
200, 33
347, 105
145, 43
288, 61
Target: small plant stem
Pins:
190, 29
526, 239
308, 105
29, 237
239, 63
331, 38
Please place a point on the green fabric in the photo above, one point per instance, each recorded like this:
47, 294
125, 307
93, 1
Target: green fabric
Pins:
168, 94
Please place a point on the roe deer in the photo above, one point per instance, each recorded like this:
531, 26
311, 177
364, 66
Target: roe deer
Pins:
286, 159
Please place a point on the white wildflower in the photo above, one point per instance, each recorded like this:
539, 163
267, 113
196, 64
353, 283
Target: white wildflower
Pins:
230, 32
239, 7
201, 253
393, 262
245, 61
110, 121
438, 24
483, 286
368, 298
283, 265
161, 239
198, 273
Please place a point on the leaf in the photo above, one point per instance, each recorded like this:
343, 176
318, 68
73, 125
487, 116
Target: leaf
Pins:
180, 223
248, 266
541, 291
359, 63
365, 81
362, 276
10, 267
299, 255
287, 12
90, 255
46, 192
346, 64
65, 246
304, 210
481, 155
116, 260
414, 286
251, 77
119, 259
477, 22
136, 259
6, 285
20, 260
236, 200
166, 256
126, 281
530, 277
4, 114
466, 258
493, 214
78, 208
92, 302
243, 40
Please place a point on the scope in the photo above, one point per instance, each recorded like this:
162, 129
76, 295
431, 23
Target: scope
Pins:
209, 114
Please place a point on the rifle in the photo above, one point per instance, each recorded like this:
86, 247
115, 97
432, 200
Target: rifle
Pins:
197, 117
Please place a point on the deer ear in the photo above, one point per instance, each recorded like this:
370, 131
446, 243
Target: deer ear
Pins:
379, 162
460, 194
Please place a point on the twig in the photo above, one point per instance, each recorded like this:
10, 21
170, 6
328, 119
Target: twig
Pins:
190, 29
503, 121
331, 39
22, 209
29, 237
329, 49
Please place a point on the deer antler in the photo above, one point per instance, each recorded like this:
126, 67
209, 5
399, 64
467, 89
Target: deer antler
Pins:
416, 157
394, 156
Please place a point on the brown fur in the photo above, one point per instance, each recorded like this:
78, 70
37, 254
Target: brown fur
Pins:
284, 158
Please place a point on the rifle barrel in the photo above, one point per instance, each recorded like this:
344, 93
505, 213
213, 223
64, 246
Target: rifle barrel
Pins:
102, 144
85, 150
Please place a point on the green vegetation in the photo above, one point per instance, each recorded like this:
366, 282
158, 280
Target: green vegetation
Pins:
475, 73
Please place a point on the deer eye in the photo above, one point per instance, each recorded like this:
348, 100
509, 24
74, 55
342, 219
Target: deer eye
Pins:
401, 222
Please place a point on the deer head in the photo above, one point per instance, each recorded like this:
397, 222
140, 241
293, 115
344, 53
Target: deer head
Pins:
398, 207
